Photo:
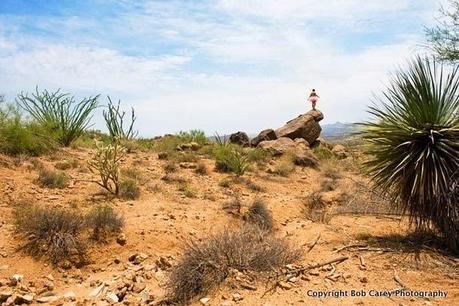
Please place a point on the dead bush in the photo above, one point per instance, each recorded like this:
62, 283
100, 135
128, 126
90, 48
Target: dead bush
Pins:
316, 208
129, 189
52, 179
103, 220
259, 215
201, 169
207, 263
52, 232
233, 206
254, 186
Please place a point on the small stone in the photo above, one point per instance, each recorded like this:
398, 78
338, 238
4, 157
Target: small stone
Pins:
284, 285
237, 297
248, 286
48, 299
121, 239
15, 279
48, 285
364, 280
69, 296
112, 297
227, 303
24, 299
139, 287
204, 301
5, 294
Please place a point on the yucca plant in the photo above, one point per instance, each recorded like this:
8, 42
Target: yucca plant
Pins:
59, 112
413, 144
114, 119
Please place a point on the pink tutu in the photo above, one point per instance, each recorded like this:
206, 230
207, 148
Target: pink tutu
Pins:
313, 99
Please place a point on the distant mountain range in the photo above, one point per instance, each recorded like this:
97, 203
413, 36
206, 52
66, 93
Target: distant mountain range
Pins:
337, 130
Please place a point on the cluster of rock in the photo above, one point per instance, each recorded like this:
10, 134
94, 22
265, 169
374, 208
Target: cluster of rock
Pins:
296, 136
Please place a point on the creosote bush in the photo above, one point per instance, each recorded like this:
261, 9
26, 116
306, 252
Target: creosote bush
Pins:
207, 263
59, 112
103, 220
201, 169
52, 179
52, 232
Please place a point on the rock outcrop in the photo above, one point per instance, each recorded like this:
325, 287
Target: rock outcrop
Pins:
240, 138
278, 146
305, 126
264, 135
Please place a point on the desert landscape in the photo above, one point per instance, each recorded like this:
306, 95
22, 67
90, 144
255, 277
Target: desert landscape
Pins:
228, 152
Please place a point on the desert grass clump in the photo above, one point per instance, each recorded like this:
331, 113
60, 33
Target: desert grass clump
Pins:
106, 164
323, 153
197, 136
413, 145
52, 232
115, 122
285, 165
52, 179
259, 214
128, 189
207, 263
187, 190
201, 169
170, 167
103, 220
59, 112
67, 164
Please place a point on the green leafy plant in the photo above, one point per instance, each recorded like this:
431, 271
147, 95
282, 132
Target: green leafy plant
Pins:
59, 112
413, 144
193, 135
114, 119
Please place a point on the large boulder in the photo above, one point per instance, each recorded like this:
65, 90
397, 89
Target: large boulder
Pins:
240, 138
278, 146
305, 126
264, 135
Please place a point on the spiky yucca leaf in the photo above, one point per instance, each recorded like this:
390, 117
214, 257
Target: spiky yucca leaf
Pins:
413, 141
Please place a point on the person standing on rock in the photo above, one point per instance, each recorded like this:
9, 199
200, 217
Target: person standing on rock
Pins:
313, 98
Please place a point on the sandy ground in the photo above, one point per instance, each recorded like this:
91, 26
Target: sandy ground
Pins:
163, 218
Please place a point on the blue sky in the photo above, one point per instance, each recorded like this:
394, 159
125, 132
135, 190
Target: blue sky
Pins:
221, 65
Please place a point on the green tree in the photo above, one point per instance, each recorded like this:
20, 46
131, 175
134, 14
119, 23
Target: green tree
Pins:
444, 38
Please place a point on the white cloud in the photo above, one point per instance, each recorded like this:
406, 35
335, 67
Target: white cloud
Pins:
241, 65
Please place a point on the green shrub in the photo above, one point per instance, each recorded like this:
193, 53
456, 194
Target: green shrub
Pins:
197, 136
59, 112
52, 179
67, 164
413, 145
18, 136
104, 220
229, 158
52, 232
258, 155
